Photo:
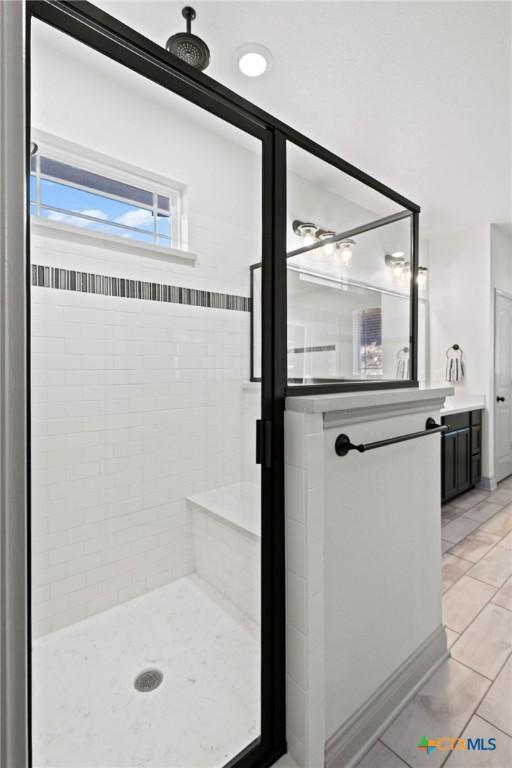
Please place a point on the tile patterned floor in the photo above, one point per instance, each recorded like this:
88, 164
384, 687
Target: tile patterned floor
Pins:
471, 694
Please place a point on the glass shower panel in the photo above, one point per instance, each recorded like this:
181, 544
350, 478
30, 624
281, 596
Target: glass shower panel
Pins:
146, 532
349, 279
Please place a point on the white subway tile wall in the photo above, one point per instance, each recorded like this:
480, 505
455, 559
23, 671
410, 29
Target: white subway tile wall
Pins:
304, 505
135, 405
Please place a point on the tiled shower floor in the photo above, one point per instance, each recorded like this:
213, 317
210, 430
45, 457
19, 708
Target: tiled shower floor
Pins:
88, 714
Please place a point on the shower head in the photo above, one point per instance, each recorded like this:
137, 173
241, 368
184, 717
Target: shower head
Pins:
189, 47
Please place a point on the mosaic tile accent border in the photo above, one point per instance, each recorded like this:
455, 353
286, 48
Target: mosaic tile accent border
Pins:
86, 282
302, 350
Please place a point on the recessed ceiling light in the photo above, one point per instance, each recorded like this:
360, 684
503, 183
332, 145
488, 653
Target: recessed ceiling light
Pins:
253, 60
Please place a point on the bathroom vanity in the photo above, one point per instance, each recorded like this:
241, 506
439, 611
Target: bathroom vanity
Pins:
461, 453
461, 445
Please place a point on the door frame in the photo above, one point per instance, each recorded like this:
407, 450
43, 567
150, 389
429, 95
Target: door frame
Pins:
492, 406
14, 469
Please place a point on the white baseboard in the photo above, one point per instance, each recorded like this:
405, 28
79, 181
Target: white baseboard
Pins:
487, 484
346, 747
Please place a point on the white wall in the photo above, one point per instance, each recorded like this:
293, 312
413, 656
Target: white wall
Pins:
305, 654
382, 590
501, 257
364, 603
466, 268
459, 298
460, 311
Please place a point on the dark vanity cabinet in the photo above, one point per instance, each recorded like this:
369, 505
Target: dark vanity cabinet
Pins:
461, 453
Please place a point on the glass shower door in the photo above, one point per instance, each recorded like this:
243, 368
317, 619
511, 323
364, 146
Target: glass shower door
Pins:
351, 292
146, 215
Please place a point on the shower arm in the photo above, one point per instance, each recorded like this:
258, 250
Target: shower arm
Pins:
189, 15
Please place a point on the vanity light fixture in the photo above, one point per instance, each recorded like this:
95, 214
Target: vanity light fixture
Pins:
397, 262
305, 229
253, 59
338, 252
401, 268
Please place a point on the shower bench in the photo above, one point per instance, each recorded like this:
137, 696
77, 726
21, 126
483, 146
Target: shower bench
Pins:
226, 536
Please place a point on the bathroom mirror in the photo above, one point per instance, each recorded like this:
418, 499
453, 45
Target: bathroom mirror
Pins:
336, 329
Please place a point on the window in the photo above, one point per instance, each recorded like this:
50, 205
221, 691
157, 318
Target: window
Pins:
368, 332
74, 193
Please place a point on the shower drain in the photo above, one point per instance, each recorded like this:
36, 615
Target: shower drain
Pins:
148, 680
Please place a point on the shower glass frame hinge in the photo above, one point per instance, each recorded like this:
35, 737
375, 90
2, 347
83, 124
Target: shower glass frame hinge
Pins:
264, 443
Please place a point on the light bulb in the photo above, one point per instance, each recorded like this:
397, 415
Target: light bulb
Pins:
308, 232
252, 64
320, 253
346, 256
397, 270
345, 252
422, 277
253, 59
329, 248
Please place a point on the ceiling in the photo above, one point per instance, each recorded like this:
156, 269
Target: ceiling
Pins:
417, 94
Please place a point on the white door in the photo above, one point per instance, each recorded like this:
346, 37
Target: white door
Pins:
503, 386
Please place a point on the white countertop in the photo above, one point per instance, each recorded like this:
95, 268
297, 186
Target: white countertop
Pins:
463, 404
345, 401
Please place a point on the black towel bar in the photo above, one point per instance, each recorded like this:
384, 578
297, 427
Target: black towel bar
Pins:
343, 445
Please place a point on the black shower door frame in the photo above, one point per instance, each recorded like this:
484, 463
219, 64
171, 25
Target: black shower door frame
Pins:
105, 34
93, 27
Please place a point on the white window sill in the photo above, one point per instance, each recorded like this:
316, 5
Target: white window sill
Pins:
62, 231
